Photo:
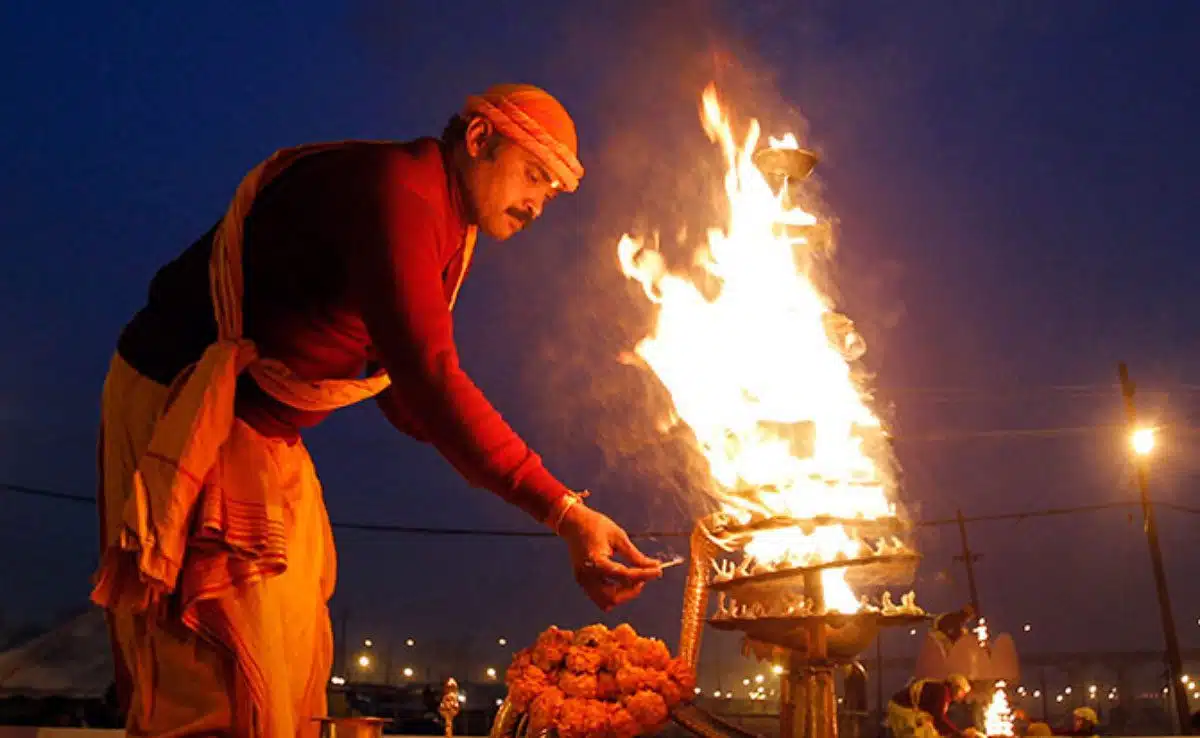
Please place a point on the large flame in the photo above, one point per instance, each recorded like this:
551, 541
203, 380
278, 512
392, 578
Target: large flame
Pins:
761, 372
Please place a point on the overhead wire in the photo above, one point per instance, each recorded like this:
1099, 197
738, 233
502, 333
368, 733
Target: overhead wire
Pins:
506, 533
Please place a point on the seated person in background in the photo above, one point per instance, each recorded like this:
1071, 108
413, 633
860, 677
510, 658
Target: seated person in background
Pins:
1085, 722
919, 710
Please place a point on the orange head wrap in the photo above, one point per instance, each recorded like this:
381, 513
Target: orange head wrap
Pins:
536, 122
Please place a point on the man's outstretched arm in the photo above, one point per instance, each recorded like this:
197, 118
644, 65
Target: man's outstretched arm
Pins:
397, 275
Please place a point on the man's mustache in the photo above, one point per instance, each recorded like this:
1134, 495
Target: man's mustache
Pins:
523, 216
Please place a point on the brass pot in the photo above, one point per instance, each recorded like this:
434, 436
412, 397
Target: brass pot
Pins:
512, 723
352, 727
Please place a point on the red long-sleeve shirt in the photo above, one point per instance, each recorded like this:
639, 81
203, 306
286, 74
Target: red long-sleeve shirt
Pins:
351, 257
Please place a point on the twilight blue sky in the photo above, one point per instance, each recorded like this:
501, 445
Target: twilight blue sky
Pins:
1012, 182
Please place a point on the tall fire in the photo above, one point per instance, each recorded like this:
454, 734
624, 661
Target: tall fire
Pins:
763, 375
763, 371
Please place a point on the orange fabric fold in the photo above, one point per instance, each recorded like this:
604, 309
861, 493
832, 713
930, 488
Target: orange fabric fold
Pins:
210, 659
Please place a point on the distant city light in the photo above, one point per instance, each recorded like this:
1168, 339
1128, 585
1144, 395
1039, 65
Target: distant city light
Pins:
364, 661
777, 669
410, 643
745, 682
368, 643
1037, 693
1059, 698
759, 678
502, 641
1027, 627
408, 672
1067, 690
491, 672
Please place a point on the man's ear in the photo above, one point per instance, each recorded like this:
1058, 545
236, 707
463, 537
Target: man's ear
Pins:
479, 130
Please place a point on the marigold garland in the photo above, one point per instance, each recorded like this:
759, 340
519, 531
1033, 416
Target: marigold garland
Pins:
597, 682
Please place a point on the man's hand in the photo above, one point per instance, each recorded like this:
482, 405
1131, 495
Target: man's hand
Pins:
592, 540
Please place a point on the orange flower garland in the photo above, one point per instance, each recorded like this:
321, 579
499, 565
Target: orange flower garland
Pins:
597, 682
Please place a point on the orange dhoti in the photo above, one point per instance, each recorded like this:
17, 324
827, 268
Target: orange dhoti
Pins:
183, 675
217, 558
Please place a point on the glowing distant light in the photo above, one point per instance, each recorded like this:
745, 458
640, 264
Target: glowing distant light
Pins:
1142, 441
491, 672
410, 643
1059, 698
408, 672
759, 678
368, 643
1037, 693
1027, 627
364, 661
912, 632
745, 682
776, 669
717, 693
696, 690
1185, 679
499, 702
1067, 690
502, 641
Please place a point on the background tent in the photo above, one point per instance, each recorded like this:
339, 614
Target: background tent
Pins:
72, 660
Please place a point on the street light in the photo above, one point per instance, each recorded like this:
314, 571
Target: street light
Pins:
364, 661
1142, 441
408, 672
368, 643
502, 641
1027, 627
410, 643
491, 672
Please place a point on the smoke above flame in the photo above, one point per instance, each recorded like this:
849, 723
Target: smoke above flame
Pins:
761, 370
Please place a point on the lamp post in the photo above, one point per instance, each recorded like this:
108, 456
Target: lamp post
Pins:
1142, 442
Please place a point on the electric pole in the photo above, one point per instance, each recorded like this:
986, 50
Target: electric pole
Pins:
968, 558
1171, 638
344, 651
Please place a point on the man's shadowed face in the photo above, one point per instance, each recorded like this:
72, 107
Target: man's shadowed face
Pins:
507, 187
